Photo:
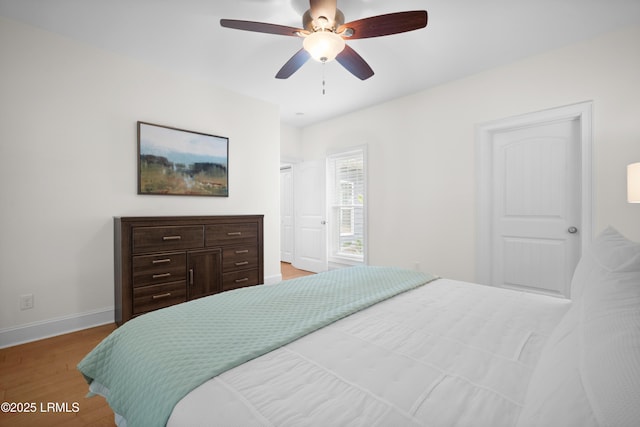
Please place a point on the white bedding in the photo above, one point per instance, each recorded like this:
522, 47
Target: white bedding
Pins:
446, 354
452, 353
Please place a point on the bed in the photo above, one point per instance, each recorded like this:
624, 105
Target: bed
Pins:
424, 351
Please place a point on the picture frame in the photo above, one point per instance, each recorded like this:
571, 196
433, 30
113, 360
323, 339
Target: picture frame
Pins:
178, 162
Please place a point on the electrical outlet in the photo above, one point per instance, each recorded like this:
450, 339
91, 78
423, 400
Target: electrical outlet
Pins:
26, 302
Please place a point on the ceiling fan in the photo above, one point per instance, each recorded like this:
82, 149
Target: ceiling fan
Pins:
324, 33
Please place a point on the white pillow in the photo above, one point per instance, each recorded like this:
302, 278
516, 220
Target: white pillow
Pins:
555, 396
610, 334
589, 369
609, 252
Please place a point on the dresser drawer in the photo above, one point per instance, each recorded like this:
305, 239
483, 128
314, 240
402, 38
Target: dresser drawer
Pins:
149, 298
161, 268
156, 239
231, 234
239, 279
239, 258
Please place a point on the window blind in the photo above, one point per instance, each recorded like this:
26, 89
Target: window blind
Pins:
346, 196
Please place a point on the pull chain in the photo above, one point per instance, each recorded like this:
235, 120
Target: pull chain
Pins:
323, 65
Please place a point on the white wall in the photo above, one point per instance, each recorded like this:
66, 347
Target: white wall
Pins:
68, 117
290, 144
422, 154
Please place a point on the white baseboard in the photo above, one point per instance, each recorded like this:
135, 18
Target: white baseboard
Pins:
272, 280
52, 327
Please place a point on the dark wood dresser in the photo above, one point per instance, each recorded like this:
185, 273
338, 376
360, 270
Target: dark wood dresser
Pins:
162, 261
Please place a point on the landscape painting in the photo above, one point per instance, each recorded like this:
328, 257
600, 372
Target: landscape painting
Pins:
179, 162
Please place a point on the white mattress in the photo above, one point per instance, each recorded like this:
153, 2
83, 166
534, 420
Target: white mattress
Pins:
446, 354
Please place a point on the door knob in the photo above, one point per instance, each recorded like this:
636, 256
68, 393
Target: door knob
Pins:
572, 230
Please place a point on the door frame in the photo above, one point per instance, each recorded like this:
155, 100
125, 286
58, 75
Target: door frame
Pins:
583, 112
287, 168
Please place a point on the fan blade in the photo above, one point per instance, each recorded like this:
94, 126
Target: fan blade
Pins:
293, 64
354, 63
326, 8
384, 25
261, 27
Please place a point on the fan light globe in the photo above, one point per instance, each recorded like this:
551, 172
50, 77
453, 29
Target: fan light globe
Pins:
323, 46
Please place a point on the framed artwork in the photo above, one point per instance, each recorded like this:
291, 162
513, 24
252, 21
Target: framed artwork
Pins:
179, 162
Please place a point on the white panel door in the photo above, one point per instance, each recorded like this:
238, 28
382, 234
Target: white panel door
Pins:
286, 215
536, 206
310, 223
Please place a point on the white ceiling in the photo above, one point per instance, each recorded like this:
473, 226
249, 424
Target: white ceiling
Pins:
462, 37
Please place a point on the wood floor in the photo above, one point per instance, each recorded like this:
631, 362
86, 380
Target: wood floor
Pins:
290, 272
42, 377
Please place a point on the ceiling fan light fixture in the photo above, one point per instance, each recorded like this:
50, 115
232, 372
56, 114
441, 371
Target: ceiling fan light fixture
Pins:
323, 46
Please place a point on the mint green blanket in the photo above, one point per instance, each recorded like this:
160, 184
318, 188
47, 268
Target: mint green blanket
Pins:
153, 361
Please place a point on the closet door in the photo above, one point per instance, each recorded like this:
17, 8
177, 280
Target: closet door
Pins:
204, 273
534, 198
536, 207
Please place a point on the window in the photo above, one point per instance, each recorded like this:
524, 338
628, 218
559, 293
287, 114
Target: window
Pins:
347, 219
347, 214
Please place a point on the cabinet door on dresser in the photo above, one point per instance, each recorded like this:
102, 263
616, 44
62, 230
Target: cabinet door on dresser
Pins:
204, 269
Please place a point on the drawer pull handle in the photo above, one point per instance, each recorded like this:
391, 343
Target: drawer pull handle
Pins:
168, 294
191, 276
158, 276
244, 251
245, 279
234, 233
238, 264
161, 261
165, 238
